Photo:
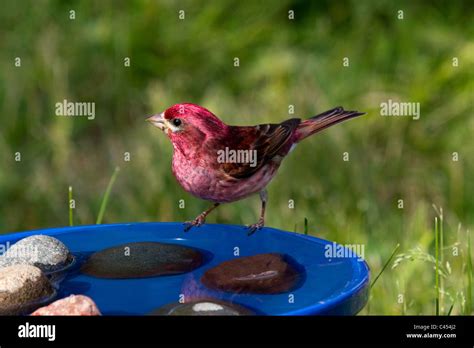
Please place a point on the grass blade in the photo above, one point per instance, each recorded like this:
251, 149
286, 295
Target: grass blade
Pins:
437, 266
450, 309
441, 258
385, 265
469, 275
71, 205
105, 199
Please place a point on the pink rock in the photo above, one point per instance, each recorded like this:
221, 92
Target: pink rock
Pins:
72, 305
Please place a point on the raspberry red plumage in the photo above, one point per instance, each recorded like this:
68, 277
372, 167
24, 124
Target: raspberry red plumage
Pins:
198, 135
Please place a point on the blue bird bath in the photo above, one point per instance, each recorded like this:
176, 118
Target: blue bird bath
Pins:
329, 286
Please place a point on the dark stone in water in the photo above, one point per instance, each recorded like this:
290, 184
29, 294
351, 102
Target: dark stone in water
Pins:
203, 307
142, 259
257, 274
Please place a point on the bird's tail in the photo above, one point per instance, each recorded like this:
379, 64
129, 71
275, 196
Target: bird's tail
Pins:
326, 119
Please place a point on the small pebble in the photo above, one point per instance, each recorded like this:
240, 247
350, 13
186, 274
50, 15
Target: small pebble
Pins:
203, 307
73, 305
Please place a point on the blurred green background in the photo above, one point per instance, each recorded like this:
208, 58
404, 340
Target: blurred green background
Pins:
282, 62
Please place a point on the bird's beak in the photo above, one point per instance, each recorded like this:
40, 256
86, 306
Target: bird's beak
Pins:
158, 121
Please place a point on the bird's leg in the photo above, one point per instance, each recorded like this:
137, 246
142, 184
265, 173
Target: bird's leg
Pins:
200, 219
261, 220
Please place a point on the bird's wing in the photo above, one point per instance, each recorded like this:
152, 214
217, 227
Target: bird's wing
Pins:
265, 141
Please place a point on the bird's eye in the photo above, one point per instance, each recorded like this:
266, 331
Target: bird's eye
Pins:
176, 122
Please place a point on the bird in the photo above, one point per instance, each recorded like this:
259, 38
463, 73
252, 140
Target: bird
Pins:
221, 163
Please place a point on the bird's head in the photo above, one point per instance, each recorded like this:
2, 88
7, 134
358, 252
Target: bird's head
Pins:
188, 124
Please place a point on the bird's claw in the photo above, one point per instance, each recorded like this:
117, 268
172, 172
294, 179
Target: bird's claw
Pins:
197, 222
251, 229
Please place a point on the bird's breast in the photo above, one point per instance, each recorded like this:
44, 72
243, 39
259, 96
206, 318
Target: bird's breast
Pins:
209, 183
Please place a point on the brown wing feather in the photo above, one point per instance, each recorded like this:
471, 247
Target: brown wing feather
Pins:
266, 139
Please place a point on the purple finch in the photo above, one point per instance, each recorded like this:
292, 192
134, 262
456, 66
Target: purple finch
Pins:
221, 163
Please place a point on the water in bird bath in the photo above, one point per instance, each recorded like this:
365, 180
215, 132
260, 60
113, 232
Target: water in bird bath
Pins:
323, 286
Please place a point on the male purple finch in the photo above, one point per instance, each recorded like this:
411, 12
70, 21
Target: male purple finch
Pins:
221, 163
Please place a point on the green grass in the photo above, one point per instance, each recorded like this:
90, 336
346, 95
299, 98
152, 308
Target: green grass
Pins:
282, 63
448, 282
105, 198
450, 310
469, 293
437, 256
70, 203
385, 266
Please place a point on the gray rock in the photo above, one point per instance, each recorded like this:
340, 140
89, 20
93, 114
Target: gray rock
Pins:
22, 289
203, 307
142, 259
45, 252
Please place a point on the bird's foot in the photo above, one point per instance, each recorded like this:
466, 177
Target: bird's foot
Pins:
198, 221
251, 229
